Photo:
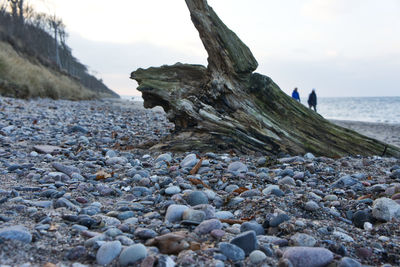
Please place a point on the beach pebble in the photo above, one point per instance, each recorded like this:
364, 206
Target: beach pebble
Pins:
231, 251
348, 262
189, 161
342, 236
246, 241
164, 157
287, 180
17, 232
256, 227
224, 214
197, 198
132, 254
237, 167
308, 256
267, 191
311, 206
175, 213
302, 240
207, 226
385, 209
194, 215
108, 252
257, 256
172, 190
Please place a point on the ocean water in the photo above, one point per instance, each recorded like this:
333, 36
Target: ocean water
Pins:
368, 109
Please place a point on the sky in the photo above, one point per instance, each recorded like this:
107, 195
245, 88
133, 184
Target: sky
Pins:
341, 48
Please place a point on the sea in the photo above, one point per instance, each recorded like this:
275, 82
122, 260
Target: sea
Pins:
366, 109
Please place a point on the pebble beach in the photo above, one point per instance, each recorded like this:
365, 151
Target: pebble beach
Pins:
77, 189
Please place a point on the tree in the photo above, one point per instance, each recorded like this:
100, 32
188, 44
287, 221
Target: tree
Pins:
227, 106
57, 27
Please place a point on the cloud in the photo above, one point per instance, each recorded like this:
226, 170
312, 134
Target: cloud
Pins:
114, 62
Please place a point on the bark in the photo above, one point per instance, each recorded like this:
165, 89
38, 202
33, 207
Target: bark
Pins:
227, 106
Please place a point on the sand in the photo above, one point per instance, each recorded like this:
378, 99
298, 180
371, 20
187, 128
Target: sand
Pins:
388, 133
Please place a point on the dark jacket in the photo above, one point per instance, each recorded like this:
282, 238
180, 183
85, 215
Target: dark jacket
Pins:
312, 99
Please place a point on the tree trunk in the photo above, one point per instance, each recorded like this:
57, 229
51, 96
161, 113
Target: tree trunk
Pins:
227, 106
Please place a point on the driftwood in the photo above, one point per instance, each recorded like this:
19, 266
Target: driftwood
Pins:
227, 106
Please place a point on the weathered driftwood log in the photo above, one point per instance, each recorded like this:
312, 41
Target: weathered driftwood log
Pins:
227, 106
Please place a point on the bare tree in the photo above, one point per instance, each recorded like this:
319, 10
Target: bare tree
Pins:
57, 26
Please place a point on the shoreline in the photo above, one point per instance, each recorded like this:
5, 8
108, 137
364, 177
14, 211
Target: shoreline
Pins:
385, 132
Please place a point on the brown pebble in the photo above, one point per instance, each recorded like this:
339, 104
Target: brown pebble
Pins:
396, 196
171, 243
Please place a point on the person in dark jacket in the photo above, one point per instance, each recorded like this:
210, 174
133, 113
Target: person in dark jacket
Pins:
312, 100
295, 95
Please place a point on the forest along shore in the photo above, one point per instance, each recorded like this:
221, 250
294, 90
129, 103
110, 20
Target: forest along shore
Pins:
75, 191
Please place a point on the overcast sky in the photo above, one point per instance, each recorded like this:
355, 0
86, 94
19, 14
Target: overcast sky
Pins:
339, 47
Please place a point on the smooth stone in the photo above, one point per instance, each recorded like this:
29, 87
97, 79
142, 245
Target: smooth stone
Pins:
189, 161
257, 256
125, 215
298, 176
278, 219
342, 236
207, 226
217, 233
231, 251
308, 256
267, 191
237, 167
108, 252
175, 212
47, 149
113, 232
116, 160
230, 188
164, 157
344, 181
309, 156
132, 254
287, 180
256, 227
286, 172
194, 215
68, 170
17, 232
144, 233
42, 204
172, 190
223, 214
197, 198
330, 198
348, 262
302, 240
251, 193
385, 209
246, 241
311, 206
76, 253
361, 217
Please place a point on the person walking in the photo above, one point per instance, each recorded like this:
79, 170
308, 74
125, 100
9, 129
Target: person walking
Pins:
295, 94
312, 100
